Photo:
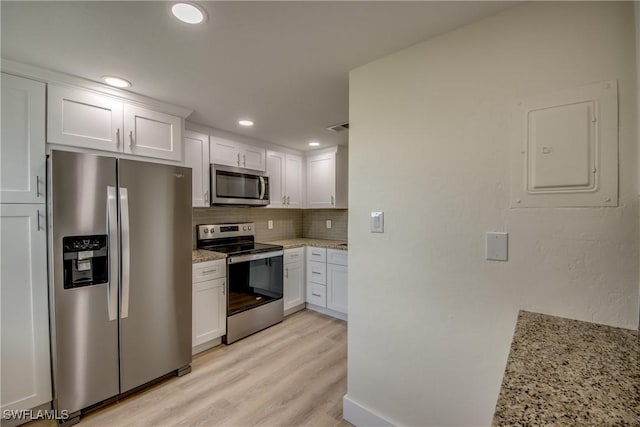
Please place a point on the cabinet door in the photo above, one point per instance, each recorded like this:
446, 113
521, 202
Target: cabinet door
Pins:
22, 156
337, 290
254, 158
224, 152
293, 181
152, 134
209, 311
294, 285
276, 172
83, 119
24, 315
196, 156
321, 181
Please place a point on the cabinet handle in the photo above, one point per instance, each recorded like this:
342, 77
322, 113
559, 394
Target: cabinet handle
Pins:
38, 219
332, 201
131, 143
37, 186
224, 290
295, 255
314, 294
209, 271
286, 273
288, 200
316, 272
244, 160
238, 159
206, 197
284, 200
118, 137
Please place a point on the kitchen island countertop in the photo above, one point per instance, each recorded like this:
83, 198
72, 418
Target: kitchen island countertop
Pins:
571, 373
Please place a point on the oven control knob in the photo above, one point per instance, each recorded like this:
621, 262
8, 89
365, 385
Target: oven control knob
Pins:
206, 230
211, 230
244, 228
249, 228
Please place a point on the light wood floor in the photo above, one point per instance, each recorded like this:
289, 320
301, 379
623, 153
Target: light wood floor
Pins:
291, 374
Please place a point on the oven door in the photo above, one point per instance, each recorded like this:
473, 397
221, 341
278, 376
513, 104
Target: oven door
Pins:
254, 280
236, 186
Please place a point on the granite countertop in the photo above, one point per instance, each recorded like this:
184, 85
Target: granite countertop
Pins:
201, 255
570, 373
318, 243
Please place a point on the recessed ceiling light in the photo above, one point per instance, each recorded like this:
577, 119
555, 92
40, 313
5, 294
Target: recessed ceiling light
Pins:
116, 81
314, 143
189, 13
245, 123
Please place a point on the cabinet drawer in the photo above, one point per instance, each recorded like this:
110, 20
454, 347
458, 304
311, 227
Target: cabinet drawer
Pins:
209, 270
316, 254
293, 255
317, 295
338, 257
317, 272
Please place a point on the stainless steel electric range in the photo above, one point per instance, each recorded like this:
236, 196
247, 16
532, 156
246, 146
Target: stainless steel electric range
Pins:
254, 277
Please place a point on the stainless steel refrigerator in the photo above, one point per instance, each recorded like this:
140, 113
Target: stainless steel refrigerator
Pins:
121, 245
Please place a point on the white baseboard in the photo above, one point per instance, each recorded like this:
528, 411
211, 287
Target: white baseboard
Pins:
205, 346
328, 312
360, 416
294, 309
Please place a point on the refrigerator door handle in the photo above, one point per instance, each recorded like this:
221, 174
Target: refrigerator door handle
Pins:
124, 239
112, 228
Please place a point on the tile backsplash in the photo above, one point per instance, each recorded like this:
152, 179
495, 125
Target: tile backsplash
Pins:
315, 220
287, 223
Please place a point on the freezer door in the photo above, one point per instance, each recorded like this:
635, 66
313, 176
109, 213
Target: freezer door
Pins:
86, 323
155, 315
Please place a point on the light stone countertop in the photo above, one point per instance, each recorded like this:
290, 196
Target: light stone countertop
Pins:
318, 243
570, 373
201, 255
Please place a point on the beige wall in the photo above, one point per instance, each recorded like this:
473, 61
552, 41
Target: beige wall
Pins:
430, 321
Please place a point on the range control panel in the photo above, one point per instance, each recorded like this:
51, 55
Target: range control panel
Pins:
220, 231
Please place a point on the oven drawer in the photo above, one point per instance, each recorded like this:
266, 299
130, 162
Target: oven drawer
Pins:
209, 270
293, 255
317, 272
316, 254
317, 294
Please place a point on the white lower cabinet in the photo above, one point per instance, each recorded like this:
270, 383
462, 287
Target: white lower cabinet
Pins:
294, 280
209, 305
327, 281
24, 316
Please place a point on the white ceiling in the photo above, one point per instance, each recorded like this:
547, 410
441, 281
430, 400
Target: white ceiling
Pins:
284, 65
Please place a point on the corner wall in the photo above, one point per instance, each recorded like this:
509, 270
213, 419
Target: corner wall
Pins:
430, 321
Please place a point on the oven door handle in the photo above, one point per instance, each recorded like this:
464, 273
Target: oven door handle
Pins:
262, 187
254, 257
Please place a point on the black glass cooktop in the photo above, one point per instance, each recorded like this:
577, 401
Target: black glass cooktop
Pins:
241, 248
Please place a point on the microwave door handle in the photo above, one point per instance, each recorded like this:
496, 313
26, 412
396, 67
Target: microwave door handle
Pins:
263, 187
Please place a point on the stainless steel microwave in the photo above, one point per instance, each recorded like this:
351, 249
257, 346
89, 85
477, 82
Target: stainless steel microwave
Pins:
237, 186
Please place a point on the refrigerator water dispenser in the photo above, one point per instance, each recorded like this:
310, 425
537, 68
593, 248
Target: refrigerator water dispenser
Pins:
85, 260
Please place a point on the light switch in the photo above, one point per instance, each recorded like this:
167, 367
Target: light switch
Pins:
496, 246
328, 223
377, 222
270, 224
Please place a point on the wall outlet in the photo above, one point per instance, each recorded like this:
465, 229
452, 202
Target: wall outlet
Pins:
496, 246
328, 223
270, 224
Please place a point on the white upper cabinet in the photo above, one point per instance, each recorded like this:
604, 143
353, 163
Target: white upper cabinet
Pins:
327, 179
152, 134
22, 152
82, 118
196, 156
24, 313
232, 153
87, 119
285, 180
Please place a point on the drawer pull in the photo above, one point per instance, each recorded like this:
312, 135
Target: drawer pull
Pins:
316, 272
209, 271
315, 295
